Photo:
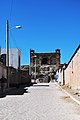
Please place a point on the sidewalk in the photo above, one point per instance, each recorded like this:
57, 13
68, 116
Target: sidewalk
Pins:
72, 93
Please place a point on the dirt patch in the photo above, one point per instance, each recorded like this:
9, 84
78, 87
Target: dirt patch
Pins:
66, 98
64, 86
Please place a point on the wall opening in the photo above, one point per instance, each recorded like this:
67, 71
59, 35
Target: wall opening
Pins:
44, 61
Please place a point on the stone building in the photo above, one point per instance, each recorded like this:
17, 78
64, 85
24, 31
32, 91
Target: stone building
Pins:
48, 62
50, 58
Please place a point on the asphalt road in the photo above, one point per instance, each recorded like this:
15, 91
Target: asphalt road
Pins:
39, 102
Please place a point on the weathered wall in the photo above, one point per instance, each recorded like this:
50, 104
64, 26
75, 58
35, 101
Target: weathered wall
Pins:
14, 76
3, 70
25, 78
52, 58
70, 75
73, 71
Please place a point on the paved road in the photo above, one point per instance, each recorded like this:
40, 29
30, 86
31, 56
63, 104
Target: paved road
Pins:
39, 103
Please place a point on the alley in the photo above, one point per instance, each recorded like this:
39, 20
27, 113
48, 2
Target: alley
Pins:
39, 102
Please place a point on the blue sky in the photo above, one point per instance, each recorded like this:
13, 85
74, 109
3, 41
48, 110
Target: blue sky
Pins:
46, 26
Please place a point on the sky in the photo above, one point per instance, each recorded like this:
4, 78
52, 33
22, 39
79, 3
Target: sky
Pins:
47, 25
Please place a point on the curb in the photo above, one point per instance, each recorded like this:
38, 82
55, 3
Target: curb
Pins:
77, 101
74, 99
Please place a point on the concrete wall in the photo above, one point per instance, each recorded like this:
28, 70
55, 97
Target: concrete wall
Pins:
61, 74
25, 78
14, 76
68, 76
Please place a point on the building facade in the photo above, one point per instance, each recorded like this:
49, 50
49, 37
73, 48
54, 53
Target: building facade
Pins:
70, 74
52, 58
61, 74
44, 63
14, 57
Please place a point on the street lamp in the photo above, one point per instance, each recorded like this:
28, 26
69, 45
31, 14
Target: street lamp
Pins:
17, 27
7, 46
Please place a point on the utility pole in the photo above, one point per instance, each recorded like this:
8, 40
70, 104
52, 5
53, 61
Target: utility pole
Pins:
7, 50
0, 53
7, 47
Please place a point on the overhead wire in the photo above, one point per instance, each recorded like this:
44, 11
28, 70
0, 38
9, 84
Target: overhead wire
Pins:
11, 35
11, 8
14, 40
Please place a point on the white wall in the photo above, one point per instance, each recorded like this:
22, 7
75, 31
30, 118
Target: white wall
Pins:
14, 54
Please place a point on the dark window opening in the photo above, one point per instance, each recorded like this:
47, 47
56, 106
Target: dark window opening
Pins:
44, 61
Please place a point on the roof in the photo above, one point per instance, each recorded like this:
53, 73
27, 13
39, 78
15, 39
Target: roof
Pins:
74, 53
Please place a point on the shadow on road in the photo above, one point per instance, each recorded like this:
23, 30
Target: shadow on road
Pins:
15, 91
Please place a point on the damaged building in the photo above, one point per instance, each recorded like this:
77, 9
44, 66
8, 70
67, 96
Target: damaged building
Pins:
47, 62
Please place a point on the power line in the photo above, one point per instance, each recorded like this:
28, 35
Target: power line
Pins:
11, 9
14, 40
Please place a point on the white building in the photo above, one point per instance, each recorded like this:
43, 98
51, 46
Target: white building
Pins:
14, 57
